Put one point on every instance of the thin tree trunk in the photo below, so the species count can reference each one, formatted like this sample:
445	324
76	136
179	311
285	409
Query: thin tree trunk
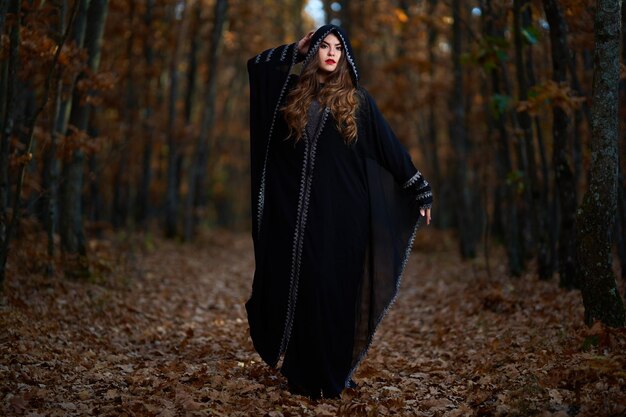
72	234
621	213
537	205
192	67
620	222
121	180
458	137
143	190
564	177
173	157
93	199
197	179
61	121
50	175
328	12
30	127
433	149
7	132
596	217
505	193
4	66
4	8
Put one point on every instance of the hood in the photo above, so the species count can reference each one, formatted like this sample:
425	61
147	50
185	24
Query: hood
317	39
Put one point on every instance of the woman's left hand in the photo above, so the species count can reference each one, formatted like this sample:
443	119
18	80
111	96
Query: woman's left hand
426	213
303	44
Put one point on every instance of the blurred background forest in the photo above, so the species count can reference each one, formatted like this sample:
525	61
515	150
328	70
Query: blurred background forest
133	115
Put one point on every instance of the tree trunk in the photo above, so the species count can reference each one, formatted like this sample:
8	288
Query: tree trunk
564	177
71	221
458	137
507	215
192	67
7	131
29	127
121	181
621	213
533	196
433	149
196	196
173	157
596	217
143	190
50	172
4	8
61	120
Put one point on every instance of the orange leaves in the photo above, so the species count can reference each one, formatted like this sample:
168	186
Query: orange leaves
550	94
401	15
173	340
77	140
37	49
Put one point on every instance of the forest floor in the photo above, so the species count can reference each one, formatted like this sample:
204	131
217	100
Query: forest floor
159	329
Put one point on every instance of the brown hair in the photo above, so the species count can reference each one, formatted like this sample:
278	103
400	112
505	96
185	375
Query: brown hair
339	95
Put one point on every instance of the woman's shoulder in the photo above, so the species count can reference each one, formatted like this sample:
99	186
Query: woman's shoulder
366	101
362	93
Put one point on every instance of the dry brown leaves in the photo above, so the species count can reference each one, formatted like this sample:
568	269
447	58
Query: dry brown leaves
165	334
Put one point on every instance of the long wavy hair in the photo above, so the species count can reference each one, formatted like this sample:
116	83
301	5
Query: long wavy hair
339	95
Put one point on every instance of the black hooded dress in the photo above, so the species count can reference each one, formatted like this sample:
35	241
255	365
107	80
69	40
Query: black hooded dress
333	225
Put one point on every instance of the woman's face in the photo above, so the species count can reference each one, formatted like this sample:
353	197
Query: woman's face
329	54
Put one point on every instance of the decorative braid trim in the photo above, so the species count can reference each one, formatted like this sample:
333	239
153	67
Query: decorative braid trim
258	58
283	54
313	50
295	254
407	252
306	182
424	195
269	55
261	199
412	180
350	59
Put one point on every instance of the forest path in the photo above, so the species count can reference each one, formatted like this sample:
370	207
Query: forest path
169	337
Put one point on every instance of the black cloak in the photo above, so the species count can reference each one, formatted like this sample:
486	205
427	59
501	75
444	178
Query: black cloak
333	226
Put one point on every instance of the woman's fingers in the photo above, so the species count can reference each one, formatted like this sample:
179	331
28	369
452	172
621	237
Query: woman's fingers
425	213
303	44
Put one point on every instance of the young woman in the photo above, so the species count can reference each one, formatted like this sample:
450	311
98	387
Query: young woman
336	202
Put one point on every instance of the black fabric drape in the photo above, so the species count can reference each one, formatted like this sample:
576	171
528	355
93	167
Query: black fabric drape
333	226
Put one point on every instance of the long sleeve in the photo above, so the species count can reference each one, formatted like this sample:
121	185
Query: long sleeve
269	80
394	157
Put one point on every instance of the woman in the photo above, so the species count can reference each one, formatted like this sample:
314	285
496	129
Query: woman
336	203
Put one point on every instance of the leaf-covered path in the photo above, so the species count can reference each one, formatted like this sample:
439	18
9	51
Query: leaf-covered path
164	332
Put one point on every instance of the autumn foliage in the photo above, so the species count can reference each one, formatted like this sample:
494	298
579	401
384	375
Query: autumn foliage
101	315
163	331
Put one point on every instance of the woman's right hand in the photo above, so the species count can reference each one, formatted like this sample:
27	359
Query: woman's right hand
303	44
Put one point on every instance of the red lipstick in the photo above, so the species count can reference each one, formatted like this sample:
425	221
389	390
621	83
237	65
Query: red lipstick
330	61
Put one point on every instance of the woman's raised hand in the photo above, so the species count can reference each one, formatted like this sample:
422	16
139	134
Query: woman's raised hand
426	213
303	44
